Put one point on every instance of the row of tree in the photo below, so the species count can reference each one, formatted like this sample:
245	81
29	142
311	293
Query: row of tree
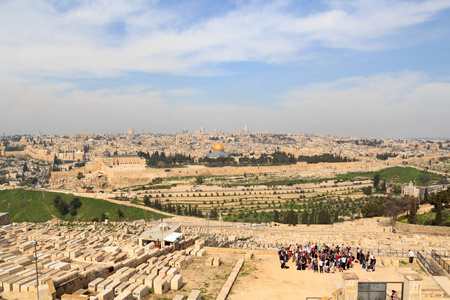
308	217
157	159
182	210
385	156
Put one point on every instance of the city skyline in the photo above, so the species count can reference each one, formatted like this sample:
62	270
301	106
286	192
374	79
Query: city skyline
376	69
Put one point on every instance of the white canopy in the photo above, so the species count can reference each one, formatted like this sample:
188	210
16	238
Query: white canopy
172	237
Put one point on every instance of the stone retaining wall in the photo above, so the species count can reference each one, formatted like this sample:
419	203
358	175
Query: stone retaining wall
441	230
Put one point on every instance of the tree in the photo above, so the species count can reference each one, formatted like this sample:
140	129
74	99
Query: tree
200	179
440	199
56	200
383	186
376	180
392	208
25	167
367	190
426	196
120	213
94	219
80	175
336	216
62	207
312	218
213	214
305	217
397	190
72	211
103	217
75	203
146	200
412	219
370	210
276	216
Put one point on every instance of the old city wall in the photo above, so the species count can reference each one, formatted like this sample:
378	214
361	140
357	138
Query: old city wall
36	155
122	177
66	174
28	151
14	153
440	230
129	176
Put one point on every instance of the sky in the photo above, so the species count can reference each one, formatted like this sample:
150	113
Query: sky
363	68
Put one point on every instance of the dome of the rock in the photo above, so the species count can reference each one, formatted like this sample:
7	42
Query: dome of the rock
218	147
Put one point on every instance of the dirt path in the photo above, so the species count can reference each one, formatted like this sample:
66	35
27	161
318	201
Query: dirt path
262	278
139	206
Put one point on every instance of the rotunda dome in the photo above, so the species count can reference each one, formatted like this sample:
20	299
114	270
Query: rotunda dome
218	147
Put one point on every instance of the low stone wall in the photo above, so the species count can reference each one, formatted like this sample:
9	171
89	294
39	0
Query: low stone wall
239	251
441	230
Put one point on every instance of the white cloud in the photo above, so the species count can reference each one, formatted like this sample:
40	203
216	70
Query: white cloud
182	92
389	105
105	38
36	37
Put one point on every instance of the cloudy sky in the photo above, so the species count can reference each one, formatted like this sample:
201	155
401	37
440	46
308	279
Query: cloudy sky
367	68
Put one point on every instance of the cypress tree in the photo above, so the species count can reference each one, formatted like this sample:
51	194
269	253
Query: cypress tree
438	219
336	216
426	196
412	219
305	217
276	216
312	218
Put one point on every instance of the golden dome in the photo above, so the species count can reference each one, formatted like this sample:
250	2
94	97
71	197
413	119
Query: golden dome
219	147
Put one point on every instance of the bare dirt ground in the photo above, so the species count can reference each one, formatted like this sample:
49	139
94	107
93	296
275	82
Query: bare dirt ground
208	279
262	278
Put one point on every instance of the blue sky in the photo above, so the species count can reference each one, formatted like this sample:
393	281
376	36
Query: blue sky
366	68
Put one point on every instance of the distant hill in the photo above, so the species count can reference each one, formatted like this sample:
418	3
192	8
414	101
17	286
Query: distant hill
37	206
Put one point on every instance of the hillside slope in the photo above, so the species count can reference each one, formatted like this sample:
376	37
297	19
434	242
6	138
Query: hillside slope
37	206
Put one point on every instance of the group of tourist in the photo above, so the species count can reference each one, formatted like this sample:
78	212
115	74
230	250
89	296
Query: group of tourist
325	259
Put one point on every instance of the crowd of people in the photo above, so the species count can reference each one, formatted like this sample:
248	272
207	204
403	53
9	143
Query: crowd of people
325	259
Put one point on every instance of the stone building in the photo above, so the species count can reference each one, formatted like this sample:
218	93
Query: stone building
170	234
4	218
412	190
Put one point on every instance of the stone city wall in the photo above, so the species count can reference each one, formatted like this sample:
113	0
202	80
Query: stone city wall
36	155
440	230
55	175
122	177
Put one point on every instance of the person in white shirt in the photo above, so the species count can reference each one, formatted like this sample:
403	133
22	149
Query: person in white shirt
411	256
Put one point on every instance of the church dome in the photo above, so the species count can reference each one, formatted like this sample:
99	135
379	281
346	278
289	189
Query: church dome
218	147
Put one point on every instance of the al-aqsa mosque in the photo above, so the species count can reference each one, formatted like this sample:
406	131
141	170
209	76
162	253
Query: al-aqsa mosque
218	151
